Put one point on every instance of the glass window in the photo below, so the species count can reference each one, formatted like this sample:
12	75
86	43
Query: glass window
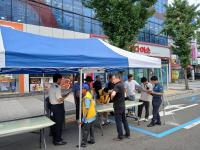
58	16
147	37
5	9
141	36
68	21
18	11
57	3
48	2
101	29
78	23
93	13
152	38
33	10
157	38
87	25
87	12
96	27
78	8
68	5
48	16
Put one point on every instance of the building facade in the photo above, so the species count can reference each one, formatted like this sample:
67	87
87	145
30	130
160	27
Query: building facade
152	42
73	15
62	14
71	19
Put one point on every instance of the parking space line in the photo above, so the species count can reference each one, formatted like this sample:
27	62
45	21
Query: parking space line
164	133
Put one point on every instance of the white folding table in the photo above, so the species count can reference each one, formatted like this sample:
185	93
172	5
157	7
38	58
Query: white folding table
26	125
109	108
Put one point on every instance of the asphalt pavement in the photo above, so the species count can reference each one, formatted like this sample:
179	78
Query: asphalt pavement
181	131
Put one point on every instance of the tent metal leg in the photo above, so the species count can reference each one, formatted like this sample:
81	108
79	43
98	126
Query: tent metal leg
165	99
43	138
163	103
80	109
42	141
44	97
99	125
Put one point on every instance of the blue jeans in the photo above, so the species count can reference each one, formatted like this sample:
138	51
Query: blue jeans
131	98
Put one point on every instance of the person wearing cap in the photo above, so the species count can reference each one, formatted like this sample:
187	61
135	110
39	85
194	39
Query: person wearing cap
89	80
88	116
57	109
157	94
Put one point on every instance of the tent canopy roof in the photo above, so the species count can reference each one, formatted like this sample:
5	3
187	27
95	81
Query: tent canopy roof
25	50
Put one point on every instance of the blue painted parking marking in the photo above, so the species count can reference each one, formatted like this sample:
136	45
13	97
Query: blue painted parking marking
164	133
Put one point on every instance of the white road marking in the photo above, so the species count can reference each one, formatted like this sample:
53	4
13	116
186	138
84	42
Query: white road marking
172	123
167	113
173	106
192	125
184	107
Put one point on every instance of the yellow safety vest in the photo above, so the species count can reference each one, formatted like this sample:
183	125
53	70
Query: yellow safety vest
92	111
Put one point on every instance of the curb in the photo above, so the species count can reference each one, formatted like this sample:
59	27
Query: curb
182	95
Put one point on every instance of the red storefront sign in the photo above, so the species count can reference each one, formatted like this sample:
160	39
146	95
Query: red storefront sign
141	49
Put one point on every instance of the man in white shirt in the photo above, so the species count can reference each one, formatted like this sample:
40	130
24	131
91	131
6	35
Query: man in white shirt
57	108
145	98
130	90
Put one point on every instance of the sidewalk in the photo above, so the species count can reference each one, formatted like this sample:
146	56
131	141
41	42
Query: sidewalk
177	90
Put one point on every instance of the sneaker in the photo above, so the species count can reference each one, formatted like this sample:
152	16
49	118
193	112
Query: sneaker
102	123
151	124
59	143
136	119
108	122
82	145
91	142
158	123
127	136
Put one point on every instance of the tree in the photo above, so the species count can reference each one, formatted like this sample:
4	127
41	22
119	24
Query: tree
122	19
198	40
182	20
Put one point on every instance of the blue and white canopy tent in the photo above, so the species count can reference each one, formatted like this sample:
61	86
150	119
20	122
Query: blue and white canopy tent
22	52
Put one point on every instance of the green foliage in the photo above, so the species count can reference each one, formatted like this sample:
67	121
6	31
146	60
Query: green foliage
122	19
182	20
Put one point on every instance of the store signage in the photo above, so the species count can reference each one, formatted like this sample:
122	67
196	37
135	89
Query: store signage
142	49
151	50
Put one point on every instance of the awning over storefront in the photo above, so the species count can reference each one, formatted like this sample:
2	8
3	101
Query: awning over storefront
24	50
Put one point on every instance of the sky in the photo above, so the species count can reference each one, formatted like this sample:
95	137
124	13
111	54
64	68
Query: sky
190	1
